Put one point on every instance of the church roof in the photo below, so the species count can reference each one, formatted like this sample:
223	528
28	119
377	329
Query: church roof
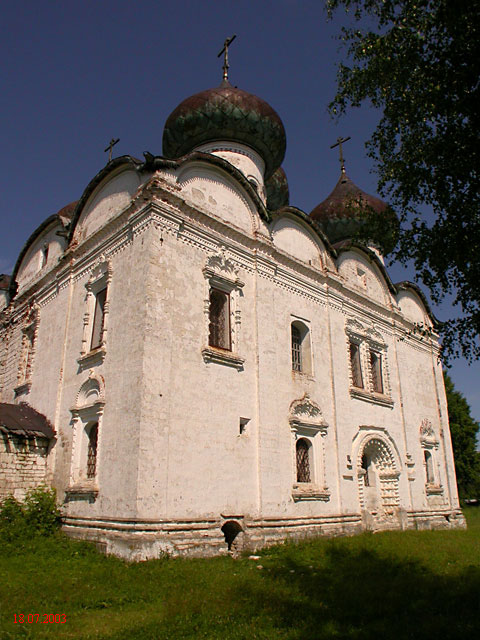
226	113
22	419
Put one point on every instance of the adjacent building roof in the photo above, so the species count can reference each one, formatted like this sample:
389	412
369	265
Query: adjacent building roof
22	419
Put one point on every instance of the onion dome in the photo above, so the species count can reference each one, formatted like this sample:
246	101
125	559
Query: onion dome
349	212
226	113
278	195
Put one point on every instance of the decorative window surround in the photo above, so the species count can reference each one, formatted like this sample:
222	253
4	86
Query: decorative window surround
369	396
306	422
221	356
369	342
99	280
221	274
88	410
94	357
429	444
29	340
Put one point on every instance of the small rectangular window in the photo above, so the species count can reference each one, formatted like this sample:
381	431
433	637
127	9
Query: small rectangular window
219	320
357	379
376	369
98	319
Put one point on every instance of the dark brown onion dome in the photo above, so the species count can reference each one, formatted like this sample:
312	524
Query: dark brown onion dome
278	195
226	113
348	211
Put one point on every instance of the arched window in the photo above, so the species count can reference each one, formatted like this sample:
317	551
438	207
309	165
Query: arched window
303	461
92	451
301	350
429	467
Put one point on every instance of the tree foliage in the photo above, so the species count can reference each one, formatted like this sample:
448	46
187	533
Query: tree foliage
417	61
464	430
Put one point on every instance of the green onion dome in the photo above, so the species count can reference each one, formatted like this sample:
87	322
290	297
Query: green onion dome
278	195
226	113
350	213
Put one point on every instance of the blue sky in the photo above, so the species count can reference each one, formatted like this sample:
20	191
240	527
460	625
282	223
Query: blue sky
77	73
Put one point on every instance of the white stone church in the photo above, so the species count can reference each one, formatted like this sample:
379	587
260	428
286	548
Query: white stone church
198	366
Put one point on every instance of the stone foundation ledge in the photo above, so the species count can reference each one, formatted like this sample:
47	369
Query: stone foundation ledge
437	519
138	540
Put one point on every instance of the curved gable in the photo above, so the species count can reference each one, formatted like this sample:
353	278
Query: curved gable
361	274
208	188
111	196
41	252
413	307
297	240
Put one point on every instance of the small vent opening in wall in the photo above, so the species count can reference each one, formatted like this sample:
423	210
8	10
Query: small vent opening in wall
243	425
233	535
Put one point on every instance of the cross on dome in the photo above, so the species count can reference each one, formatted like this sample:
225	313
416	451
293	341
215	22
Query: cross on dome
224	51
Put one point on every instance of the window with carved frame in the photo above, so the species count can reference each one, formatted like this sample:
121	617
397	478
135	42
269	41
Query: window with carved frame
367	360
27	352
95	319
222	309
87	417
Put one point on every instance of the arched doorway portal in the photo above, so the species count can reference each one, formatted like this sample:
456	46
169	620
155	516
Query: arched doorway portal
378	478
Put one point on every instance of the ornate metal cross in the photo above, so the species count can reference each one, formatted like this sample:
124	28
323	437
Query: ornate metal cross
112	143
339	143
226	44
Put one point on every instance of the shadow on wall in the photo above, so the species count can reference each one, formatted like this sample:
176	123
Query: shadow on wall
362	595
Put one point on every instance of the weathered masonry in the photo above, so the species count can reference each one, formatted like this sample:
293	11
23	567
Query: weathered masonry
218	368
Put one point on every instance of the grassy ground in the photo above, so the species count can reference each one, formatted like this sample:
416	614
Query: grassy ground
414	584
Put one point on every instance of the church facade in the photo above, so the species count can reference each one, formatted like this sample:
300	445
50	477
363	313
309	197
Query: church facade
198	366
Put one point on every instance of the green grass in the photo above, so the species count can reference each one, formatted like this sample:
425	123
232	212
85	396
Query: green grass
414	584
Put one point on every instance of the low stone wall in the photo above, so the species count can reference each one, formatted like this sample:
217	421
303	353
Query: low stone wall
23	464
